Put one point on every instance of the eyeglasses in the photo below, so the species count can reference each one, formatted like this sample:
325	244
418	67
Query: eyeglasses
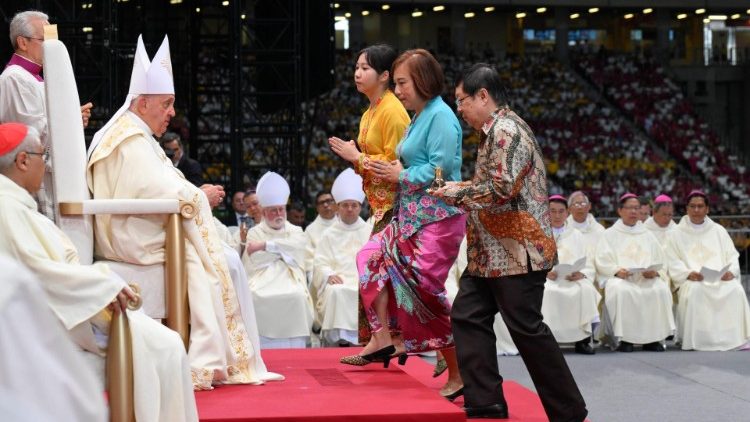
34	38
696	206
579	204
461	100
632	208
44	155
326	202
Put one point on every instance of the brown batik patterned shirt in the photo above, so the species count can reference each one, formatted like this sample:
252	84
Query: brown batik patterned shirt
507	202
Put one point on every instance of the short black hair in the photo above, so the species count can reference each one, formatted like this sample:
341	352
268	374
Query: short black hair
321	193
380	57
169	137
483	75
296	205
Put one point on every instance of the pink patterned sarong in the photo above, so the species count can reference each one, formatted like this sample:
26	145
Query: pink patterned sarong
413	271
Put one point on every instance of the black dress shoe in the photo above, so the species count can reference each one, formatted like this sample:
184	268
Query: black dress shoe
493	411
584	347
653	347
625	347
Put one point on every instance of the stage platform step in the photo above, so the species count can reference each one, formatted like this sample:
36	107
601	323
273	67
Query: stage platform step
318	387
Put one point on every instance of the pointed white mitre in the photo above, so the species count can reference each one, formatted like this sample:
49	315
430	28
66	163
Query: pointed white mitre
272	190
348	187
148	77
152	77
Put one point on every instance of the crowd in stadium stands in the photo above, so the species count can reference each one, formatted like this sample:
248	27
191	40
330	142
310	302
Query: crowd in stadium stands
643	90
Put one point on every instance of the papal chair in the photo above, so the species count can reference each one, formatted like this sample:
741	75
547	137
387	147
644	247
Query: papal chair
163	288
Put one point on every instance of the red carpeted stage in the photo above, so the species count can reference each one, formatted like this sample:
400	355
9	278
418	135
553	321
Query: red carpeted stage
318	387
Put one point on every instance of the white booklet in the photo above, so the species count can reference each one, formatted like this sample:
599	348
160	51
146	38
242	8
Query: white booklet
564	270
710	275
637	270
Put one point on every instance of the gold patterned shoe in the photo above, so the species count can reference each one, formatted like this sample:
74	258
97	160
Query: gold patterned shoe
354	360
440	366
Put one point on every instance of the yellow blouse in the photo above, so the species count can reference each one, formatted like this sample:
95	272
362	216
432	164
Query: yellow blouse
380	130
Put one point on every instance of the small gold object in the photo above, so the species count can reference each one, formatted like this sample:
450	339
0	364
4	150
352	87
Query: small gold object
439	182
135	304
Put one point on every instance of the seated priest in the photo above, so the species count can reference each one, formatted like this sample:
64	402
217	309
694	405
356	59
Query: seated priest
275	263
660	223
126	162
335	276
632	270
570	303
712	310
83	297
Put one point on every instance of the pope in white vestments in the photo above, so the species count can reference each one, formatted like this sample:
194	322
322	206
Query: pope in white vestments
632	270
125	161
571	301
80	295
712	313
335	276
275	263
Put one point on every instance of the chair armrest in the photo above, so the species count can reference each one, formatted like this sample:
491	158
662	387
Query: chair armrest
128	206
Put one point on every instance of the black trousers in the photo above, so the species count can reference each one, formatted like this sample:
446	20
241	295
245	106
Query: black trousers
519	300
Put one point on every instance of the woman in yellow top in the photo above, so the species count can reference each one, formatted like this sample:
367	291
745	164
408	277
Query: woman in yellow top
380	130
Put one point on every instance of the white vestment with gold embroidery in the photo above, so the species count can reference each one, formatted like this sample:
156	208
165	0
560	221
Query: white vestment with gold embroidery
711	314
128	163
637	310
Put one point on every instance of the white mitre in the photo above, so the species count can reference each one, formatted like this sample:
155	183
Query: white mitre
272	190
148	77
348	187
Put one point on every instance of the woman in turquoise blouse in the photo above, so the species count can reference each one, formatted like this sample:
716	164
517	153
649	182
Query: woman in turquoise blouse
404	282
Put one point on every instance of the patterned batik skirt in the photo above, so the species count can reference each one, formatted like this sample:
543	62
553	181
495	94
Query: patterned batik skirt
413	273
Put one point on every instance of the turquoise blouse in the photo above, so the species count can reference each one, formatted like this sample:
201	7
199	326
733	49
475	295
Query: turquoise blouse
433	139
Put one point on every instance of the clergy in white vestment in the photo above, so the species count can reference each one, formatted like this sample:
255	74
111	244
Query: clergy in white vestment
570	302
81	296
712	310
125	161
661	223
22	96
632	270
335	277
41	361
275	263
327	216
580	218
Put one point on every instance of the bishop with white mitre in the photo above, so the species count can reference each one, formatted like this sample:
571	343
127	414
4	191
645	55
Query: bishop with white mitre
125	161
632	270
712	314
80	296
335	275
275	263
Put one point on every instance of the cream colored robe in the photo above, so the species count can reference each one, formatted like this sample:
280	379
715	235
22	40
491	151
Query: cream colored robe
78	296
592	231
313	233
658	231
503	343
637	310
711	315
569	307
38	358
130	164
277	279
336	254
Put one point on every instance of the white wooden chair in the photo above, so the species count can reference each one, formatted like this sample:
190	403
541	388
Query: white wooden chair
162	287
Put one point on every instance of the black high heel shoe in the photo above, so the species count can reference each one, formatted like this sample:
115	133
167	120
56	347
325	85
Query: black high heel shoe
456	394
383	355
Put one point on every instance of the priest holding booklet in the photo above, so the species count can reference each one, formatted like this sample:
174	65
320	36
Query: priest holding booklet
638	303
570	299
712	309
